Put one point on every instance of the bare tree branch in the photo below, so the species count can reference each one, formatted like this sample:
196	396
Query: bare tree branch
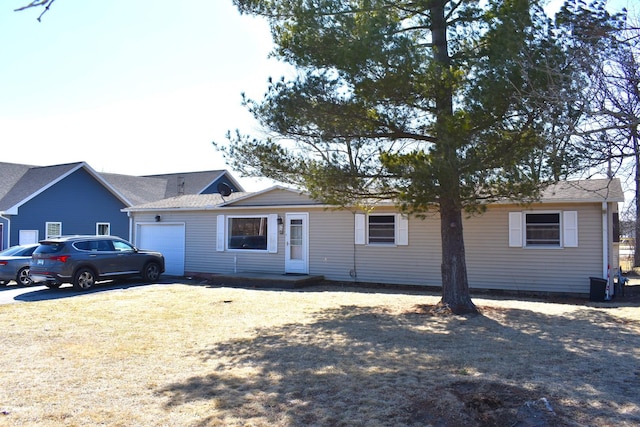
37	3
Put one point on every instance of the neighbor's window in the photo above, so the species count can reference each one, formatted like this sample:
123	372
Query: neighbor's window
53	229
103	229
542	229
382	229
248	233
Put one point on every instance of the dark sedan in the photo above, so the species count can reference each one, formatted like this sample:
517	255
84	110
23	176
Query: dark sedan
14	264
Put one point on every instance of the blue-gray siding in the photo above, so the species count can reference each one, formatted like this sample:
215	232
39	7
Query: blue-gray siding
78	201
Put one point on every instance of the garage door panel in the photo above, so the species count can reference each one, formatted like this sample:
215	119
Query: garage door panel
168	239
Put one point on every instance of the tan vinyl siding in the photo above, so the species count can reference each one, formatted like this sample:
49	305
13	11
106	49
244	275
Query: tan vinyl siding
334	254
491	262
276	197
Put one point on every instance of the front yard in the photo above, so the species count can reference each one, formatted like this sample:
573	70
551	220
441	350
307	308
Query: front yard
195	355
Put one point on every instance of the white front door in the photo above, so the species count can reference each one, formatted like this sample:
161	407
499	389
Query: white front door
296	243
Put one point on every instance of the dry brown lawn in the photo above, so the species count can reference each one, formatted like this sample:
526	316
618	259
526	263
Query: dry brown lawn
195	355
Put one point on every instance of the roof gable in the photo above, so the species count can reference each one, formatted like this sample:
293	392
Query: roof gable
21	183
178	184
38	179
274	196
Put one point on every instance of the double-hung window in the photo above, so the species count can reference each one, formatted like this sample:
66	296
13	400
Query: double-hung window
542	229
545	229
381	229
247	232
103	229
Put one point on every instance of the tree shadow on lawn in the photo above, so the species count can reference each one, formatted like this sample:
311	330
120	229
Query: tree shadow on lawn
365	366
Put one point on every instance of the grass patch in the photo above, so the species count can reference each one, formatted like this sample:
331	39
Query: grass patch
193	355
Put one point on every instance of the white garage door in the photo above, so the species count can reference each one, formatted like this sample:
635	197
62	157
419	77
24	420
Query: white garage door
165	238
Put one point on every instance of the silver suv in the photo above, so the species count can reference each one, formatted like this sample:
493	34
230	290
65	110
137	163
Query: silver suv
83	260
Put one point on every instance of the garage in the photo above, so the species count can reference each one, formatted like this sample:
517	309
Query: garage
167	238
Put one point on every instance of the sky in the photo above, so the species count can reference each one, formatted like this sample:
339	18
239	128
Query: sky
132	87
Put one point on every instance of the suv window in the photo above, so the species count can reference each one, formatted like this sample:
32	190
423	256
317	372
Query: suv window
94	245
49	248
86	246
122	246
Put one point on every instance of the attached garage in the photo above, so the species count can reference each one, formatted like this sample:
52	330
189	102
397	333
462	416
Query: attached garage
167	238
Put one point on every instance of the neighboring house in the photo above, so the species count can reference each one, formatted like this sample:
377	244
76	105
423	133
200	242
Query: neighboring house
38	202
553	246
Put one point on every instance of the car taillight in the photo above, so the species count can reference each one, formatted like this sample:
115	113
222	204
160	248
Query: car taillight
61	258
3	262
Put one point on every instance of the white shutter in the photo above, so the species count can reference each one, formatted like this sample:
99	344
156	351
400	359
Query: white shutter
570	229
402	230
272	230
360	229
515	229
220	234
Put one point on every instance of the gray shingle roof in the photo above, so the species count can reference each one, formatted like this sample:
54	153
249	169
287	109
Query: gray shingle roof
190	202
10	174
137	189
190	182
32	181
19	183
592	190
587	190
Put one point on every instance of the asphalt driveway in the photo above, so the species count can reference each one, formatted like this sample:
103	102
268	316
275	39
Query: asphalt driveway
14	294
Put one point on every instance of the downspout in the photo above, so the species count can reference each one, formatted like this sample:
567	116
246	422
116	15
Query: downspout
130	227
8	233
605	248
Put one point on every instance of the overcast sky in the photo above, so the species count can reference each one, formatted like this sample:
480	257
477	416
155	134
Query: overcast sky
135	87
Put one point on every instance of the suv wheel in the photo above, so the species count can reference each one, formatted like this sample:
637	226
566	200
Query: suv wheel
23	277
151	272
84	279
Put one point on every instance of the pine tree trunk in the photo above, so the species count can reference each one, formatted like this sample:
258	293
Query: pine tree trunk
455	286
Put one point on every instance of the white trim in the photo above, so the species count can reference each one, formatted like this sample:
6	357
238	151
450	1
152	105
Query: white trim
402	230
220	222
570	229
360	229
515	229
272	233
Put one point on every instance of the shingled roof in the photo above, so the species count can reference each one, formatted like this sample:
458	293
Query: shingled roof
586	190
19	183
179	184
28	181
